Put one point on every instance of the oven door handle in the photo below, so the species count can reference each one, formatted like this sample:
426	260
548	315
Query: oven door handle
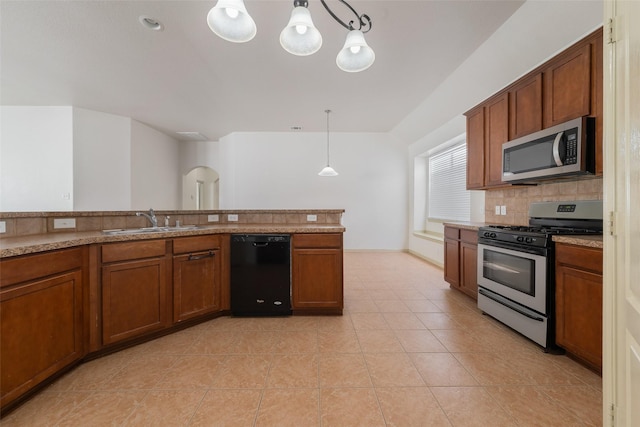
524	313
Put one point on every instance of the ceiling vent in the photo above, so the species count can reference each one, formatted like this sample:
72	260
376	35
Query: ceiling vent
191	136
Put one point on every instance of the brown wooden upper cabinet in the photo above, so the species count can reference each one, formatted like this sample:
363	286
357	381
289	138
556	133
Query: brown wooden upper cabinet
525	107
564	88
475	148
496	115
487	130
567	86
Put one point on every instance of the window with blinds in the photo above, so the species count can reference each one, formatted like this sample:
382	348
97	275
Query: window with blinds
448	195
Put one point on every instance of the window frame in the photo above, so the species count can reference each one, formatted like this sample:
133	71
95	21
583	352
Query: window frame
447	148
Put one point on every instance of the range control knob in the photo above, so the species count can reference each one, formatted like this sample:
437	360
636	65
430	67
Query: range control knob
520	239
528	240
493	235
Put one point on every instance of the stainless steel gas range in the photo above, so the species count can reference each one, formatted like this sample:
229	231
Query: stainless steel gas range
516	278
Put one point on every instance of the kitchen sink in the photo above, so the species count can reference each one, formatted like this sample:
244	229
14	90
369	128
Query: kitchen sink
145	230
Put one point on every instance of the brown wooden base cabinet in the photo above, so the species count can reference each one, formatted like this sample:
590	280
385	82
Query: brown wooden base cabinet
135	292
579	302
461	259
197	276
317	273
41	318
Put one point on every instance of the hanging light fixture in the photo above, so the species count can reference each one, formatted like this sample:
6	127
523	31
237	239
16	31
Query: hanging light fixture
300	37
230	20
356	55
328	170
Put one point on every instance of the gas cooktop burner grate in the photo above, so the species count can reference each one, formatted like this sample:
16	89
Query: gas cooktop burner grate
542	230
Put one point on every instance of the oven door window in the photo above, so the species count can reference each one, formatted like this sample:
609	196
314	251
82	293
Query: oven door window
513	271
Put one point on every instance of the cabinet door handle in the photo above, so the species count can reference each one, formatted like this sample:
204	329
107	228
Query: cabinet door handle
197	257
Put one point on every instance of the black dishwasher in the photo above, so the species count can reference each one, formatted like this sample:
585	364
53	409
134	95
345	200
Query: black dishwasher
260	274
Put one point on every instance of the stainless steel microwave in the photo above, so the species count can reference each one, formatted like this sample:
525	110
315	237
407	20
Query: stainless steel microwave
561	151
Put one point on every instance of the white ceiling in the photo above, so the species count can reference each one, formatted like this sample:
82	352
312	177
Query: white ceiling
96	55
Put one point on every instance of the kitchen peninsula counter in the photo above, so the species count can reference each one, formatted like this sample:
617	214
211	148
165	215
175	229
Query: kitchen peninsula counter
108	292
33	232
23	245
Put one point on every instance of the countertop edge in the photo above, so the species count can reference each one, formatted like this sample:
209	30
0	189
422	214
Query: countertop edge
24	245
587	241
465	225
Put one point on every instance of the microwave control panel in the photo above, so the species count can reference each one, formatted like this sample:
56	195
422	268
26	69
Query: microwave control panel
571	152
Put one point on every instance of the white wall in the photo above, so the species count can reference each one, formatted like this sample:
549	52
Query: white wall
280	171
36	159
155	169
101	161
537	31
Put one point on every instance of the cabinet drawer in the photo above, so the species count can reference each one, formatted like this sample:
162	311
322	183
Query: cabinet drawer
469	236
185	245
133	250
30	267
317	240
451	233
589	259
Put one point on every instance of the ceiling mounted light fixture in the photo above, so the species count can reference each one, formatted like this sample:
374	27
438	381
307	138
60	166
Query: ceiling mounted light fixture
230	20
328	170
300	37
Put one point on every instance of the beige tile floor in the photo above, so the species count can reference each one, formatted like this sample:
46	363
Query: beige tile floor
407	352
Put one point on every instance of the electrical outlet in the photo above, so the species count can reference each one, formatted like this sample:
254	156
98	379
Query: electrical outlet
312	218
213	218
503	210
3	226
497	210
64	223
232	217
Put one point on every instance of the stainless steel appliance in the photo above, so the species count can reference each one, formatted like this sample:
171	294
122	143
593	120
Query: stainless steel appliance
564	150
516	282
260	274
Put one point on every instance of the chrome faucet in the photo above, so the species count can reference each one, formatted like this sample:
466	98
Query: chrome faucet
151	216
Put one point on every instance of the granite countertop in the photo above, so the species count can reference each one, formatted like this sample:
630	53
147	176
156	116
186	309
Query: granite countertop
588	241
14	246
466	225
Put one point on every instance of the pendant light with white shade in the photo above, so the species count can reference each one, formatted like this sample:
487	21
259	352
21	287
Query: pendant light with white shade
230	20
328	170
300	37
356	55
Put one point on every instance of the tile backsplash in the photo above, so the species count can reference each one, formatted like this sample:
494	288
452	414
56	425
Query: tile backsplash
518	198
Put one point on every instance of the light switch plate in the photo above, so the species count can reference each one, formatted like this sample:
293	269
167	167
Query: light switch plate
497	210
232	217
64	223
312	218
213	218
3	226
503	210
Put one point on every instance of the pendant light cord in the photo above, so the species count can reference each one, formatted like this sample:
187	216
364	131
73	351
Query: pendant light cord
327	111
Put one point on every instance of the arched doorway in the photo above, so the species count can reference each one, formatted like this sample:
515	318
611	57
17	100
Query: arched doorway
200	189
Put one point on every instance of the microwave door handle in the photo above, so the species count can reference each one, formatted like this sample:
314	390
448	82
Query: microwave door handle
556	149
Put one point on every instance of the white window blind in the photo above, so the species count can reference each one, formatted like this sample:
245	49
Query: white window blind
448	195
